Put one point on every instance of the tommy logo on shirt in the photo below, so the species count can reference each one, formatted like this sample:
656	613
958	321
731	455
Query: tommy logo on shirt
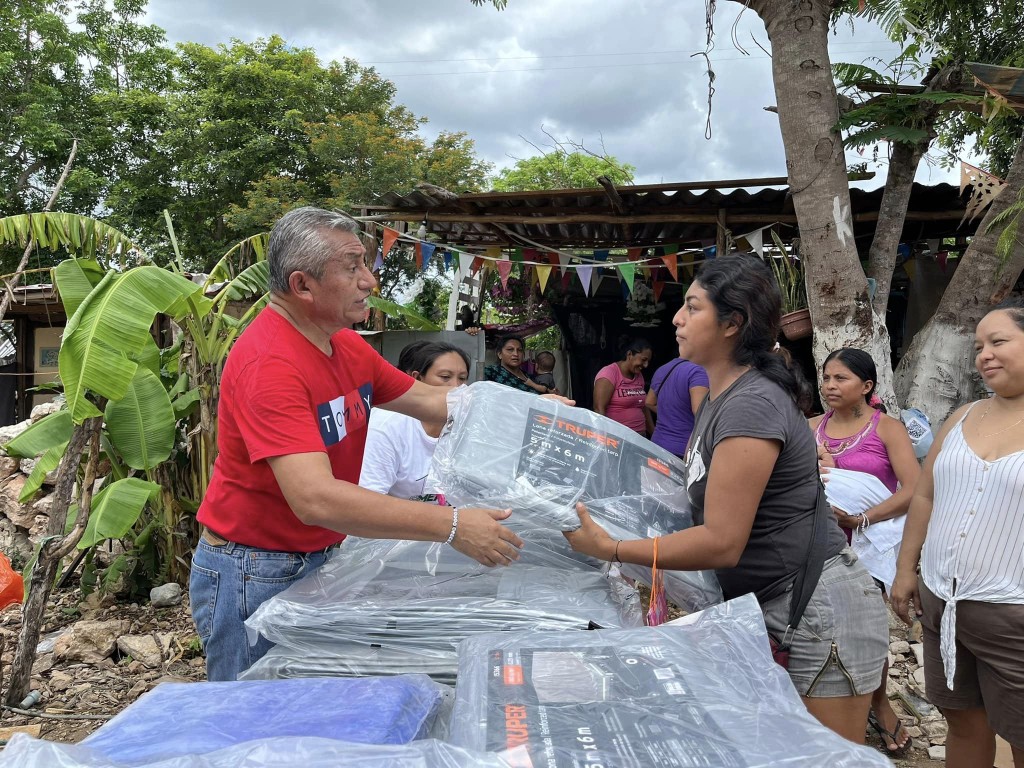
344	415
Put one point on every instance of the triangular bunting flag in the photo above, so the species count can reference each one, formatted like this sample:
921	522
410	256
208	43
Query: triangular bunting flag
566	279
670	249
941	257
447	260
477	265
530	254
416	251
625	290
755	240
671	261
563	261
494	252
543	273
633	253
427	252
504	270
601	255
390	235
466	261
378	262
710	253
910	267
686	260
585	272
517	254
658	286
628	272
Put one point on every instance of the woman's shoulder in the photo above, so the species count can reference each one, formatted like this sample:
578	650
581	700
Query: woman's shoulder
610	371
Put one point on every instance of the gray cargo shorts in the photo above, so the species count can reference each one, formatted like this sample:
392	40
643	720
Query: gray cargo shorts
842	640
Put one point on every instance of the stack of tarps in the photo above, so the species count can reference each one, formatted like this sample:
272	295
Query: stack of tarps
282	752
383	607
707	693
507	449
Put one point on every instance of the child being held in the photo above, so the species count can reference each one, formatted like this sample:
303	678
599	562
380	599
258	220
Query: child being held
545	362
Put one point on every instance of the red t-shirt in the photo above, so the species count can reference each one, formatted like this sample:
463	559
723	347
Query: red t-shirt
281	395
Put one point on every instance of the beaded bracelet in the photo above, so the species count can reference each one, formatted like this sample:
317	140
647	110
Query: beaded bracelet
455	525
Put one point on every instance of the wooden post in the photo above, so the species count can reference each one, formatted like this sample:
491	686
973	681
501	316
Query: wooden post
722	238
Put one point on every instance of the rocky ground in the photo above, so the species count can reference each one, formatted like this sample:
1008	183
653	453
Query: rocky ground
100	655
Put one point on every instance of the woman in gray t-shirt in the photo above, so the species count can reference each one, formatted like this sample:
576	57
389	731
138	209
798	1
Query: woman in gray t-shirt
752	480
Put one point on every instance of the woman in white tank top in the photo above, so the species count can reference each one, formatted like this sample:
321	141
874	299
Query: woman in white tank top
966	528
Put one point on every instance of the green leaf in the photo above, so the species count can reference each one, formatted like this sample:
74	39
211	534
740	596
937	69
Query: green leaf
149	357
76	234
115	510
50	431
185	403
141	424
111	323
76	278
46	464
252	281
416	321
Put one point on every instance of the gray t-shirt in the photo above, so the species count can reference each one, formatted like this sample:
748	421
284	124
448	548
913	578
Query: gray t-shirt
755	406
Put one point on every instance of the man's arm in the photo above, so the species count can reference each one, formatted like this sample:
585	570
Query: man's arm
318	498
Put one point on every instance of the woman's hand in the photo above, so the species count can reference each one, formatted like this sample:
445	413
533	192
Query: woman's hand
590	538
560	399
904	592
845	520
825	459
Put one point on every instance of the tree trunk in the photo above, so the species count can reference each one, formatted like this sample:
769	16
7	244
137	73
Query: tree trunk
892	213
837	289
937	374
54	547
899	183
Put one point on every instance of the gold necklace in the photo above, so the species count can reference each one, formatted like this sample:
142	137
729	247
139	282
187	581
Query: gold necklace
1004	429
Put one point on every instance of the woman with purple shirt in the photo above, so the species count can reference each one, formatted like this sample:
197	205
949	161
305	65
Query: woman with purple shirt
854	435
677	389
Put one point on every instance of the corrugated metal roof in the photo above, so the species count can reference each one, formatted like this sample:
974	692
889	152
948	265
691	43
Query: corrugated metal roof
645	215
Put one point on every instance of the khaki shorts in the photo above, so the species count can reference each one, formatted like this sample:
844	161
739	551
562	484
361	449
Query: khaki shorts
842	640
989	662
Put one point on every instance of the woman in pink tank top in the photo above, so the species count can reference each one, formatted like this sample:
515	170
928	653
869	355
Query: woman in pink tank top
620	392
854	435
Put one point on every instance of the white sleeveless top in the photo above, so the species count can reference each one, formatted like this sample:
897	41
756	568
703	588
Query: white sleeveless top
974	549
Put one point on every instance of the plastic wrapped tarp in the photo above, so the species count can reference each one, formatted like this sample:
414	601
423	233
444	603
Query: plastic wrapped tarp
707	693
380	606
283	752
503	448
175	719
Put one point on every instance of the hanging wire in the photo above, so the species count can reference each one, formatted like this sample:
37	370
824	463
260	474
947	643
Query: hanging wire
709	45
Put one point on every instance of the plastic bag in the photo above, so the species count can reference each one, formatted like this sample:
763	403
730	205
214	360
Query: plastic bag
283	752
919	429
699	694
503	448
12	586
176	719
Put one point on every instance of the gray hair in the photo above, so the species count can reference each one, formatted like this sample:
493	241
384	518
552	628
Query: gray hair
297	244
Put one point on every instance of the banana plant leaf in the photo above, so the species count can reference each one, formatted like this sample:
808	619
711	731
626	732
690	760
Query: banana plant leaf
75	279
251	281
115	510
49	431
416	321
111	323
141	424
149	357
252	248
46	464
82	235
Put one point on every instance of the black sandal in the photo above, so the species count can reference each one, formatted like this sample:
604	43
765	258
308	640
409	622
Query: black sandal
890	736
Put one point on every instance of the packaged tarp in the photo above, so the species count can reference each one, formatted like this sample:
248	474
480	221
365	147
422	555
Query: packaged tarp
176	719
502	448
283	752
705	694
403	602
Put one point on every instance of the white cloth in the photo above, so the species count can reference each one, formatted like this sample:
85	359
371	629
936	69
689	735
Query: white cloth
975	540
397	455
879	546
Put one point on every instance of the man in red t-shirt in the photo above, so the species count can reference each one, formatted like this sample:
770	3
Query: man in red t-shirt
295	397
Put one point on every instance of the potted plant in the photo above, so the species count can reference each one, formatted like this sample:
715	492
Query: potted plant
789	274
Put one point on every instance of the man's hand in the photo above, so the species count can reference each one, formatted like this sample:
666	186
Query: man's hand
904	592
590	538
481	537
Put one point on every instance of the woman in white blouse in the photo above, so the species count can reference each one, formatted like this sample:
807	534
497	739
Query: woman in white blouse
966	526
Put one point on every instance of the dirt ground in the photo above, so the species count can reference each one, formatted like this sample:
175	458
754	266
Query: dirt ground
108	687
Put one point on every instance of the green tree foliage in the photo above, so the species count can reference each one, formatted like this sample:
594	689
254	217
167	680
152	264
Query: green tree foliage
562	170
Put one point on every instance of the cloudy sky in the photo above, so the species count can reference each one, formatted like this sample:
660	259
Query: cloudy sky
611	73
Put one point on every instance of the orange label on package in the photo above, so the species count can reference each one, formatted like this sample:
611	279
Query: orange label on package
513	675
659	466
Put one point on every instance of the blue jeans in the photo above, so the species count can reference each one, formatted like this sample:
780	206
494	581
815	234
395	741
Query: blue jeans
227	584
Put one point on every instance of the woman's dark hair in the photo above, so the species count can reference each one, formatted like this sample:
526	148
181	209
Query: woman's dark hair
503	340
636	345
1014	308
427	355
743	291
407	357
860	364
805	392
